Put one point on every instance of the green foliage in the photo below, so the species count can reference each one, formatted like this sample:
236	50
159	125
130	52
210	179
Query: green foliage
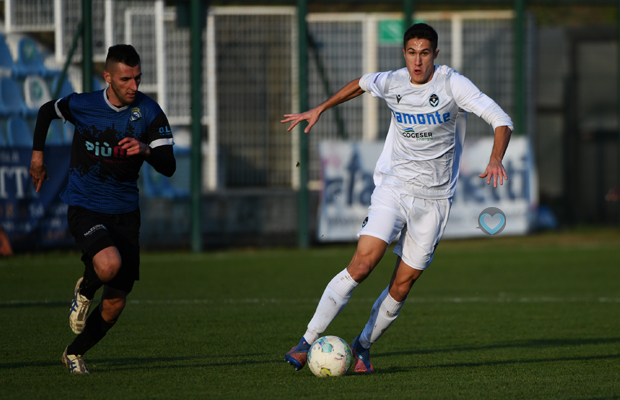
512	318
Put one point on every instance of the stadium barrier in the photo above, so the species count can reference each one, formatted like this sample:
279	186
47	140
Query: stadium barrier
250	81
347	179
34	220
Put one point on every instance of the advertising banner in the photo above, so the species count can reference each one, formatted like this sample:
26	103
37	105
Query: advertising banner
477	210
511	207
347	169
34	219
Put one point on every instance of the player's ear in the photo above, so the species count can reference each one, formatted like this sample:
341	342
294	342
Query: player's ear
436	54
107	77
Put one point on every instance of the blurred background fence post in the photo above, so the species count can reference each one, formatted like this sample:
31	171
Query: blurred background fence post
87	46
519	60
303	207
408	10
196	25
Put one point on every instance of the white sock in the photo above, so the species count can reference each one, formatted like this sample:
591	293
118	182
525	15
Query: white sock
335	297
383	313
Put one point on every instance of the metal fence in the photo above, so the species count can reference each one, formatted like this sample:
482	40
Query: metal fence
341	48
254	63
29	15
250	72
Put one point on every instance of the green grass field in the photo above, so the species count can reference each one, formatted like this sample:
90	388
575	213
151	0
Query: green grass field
534	317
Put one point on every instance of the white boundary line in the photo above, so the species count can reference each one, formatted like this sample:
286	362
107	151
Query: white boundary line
535	300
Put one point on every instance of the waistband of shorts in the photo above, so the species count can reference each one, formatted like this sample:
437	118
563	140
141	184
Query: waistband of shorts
412	189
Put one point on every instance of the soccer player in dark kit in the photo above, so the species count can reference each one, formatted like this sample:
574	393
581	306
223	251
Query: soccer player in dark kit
116	130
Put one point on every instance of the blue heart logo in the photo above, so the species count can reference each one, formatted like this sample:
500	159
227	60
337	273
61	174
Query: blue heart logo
492	213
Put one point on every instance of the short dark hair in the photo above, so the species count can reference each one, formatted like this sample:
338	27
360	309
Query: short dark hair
123	53
421	31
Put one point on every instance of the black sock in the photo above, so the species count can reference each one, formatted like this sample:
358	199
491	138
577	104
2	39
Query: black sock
91	282
95	330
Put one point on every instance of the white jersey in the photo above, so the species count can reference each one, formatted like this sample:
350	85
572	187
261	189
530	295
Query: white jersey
425	140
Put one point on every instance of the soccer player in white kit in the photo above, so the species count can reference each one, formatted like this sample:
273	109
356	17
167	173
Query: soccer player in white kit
415	179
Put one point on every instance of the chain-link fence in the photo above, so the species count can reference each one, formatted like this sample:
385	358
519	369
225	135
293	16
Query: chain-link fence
250	72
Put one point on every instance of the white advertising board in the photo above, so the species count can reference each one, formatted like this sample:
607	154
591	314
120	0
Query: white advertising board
347	169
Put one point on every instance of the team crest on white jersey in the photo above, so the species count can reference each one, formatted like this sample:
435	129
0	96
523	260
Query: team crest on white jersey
434	100
135	114
398	97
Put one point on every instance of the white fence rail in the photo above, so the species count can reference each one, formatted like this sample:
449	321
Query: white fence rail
250	72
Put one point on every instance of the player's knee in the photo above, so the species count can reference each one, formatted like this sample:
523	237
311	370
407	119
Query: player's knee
107	269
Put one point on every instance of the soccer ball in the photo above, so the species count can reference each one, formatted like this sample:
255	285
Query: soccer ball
330	356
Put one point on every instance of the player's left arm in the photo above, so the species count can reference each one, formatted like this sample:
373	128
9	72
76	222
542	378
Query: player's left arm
158	152
162	159
471	99
495	170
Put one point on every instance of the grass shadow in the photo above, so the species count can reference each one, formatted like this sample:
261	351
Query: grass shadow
393	370
542	343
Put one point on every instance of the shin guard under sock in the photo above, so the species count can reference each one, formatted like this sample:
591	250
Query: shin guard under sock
336	295
383	313
96	328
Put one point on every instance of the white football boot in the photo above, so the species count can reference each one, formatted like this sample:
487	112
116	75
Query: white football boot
79	310
74	363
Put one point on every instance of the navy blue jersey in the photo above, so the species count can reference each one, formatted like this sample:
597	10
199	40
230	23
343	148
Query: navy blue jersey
102	177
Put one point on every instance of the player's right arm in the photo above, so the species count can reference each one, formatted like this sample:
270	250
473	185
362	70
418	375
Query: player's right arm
350	91
49	111
38	170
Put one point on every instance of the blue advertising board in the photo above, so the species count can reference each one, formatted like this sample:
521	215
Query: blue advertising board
34	219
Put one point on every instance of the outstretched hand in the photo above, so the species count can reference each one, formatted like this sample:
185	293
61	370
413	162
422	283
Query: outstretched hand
348	92
494	171
38	170
311	116
133	147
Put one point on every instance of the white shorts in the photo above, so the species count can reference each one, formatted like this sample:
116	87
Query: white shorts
420	222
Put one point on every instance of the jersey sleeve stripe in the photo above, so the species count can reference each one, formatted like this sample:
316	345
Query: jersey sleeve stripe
58	112
161	142
386	87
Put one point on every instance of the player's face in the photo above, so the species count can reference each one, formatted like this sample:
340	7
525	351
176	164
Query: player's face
420	60
123	82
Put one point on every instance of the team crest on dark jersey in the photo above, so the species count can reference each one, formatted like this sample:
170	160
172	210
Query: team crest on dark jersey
434	100
135	114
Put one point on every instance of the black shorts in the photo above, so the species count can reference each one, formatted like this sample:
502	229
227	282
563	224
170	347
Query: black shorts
95	231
